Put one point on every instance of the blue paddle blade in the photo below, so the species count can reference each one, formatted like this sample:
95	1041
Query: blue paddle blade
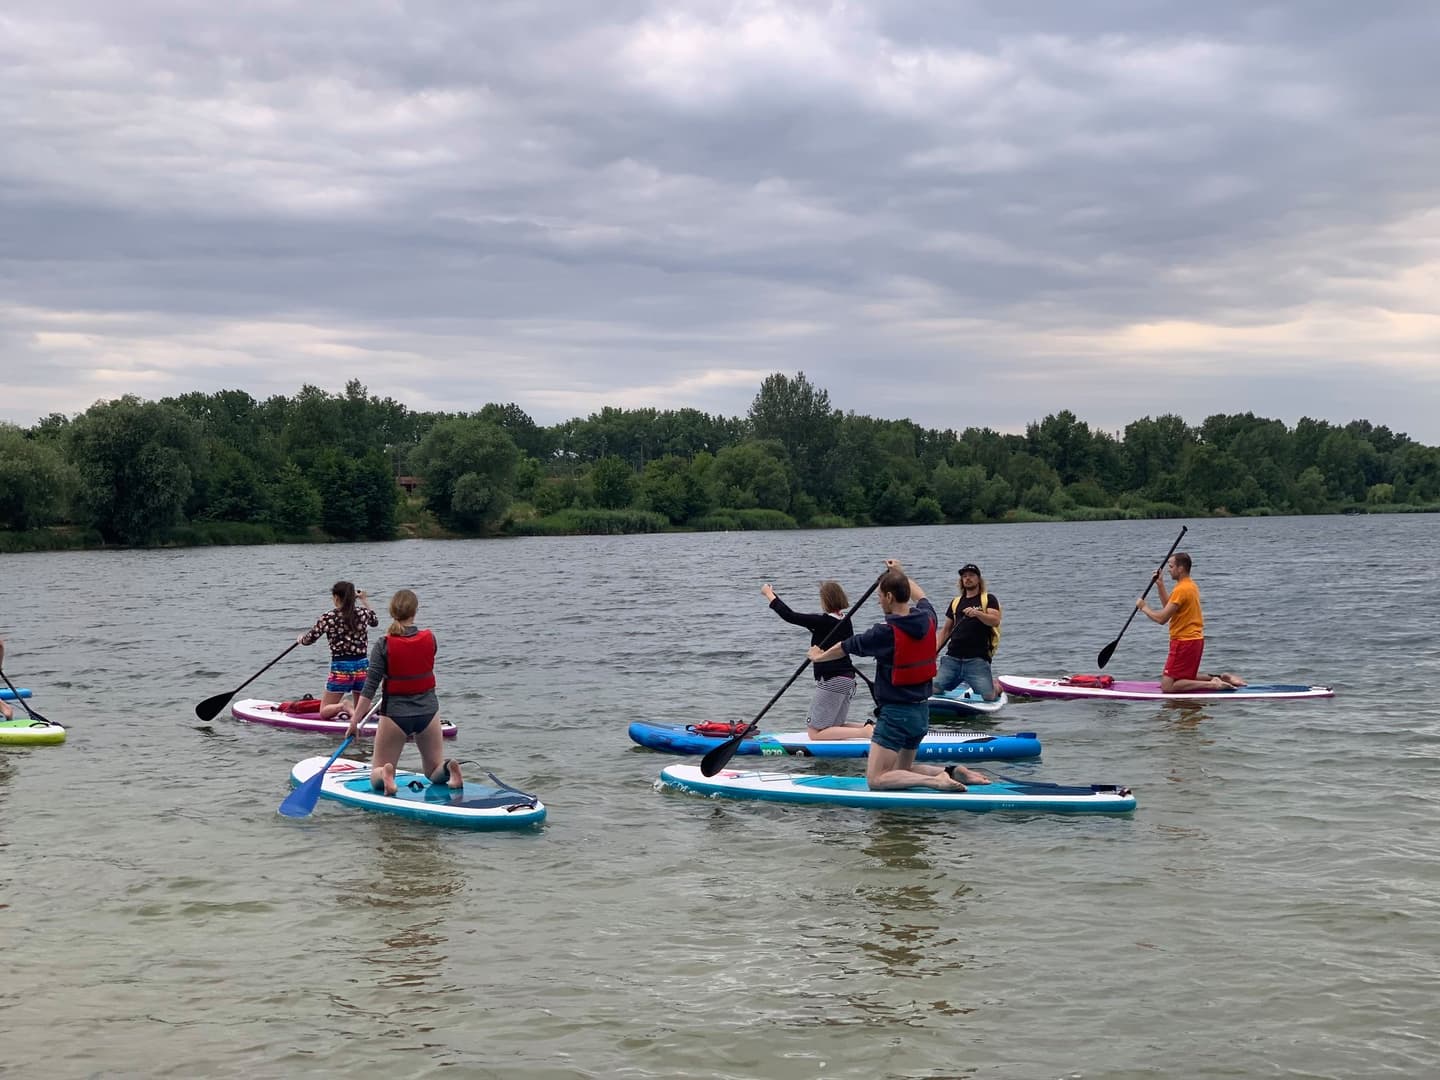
301	802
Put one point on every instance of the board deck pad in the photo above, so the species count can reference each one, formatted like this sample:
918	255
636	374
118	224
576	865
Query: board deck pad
969	705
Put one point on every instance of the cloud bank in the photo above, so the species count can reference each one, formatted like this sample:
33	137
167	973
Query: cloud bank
963	213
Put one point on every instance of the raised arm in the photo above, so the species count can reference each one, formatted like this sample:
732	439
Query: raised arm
797	618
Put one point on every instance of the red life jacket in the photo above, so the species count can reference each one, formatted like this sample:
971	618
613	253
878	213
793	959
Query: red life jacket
721	728
914	657
299	705
410	663
1102	682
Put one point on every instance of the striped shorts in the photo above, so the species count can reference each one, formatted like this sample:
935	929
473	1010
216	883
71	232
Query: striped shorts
831	703
348	676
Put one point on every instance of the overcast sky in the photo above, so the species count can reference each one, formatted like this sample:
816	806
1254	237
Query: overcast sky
958	212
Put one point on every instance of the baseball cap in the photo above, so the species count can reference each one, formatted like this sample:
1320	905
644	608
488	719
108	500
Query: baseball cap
970	568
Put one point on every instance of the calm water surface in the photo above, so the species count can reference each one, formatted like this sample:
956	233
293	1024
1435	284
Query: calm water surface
1272	908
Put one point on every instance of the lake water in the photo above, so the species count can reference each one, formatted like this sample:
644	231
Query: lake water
1272	907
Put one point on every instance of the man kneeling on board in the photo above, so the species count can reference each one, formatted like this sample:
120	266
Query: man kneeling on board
904	650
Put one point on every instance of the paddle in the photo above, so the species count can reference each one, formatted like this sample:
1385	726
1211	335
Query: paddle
1109	650
35	716
718	758
301	802
208	709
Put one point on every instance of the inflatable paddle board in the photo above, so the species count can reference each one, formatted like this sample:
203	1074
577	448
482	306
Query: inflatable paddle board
825	790
1150	691
6	694
968	704
937	746
22	731
257	711
476	806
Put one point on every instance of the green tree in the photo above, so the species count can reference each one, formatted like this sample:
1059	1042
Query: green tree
535	441
1154	448
927	512
958	489
136	462
996	497
230	487
799	417
1310	496
454	449
669	486
1417	474
1339	460
1380	494
613	483
895	505
1063	443
358	495
295	505
36	482
750	475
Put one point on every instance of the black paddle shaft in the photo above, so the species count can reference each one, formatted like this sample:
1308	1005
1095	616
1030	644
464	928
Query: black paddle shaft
210	708
1109	650
718	758
34	716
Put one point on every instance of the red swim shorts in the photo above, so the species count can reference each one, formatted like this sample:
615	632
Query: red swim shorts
1184	659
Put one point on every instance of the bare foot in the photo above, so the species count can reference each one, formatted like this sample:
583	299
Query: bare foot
387	776
970	776
1232	679
456	780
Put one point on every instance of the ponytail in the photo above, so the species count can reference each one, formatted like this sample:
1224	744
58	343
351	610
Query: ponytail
344	591
403	606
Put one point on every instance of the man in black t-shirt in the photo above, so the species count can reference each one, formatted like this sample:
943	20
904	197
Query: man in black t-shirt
967	640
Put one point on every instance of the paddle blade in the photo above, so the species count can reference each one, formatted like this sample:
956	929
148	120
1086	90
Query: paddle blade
718	758
301	802
210	708
1107	652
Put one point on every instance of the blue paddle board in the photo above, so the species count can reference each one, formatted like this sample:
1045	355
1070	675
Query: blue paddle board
937	746
476	806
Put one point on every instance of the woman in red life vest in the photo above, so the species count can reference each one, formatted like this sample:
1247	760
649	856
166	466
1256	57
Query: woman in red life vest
345	628
404	660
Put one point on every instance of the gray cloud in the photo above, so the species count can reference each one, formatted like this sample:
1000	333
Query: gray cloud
959	212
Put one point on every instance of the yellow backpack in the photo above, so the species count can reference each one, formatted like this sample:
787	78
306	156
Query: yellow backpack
994	630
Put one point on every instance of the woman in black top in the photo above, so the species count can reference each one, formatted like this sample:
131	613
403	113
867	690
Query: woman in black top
834	679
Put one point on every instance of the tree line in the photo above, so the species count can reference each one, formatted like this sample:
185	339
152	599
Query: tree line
224	467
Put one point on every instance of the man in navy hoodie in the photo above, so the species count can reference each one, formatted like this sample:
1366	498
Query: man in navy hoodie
904	650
